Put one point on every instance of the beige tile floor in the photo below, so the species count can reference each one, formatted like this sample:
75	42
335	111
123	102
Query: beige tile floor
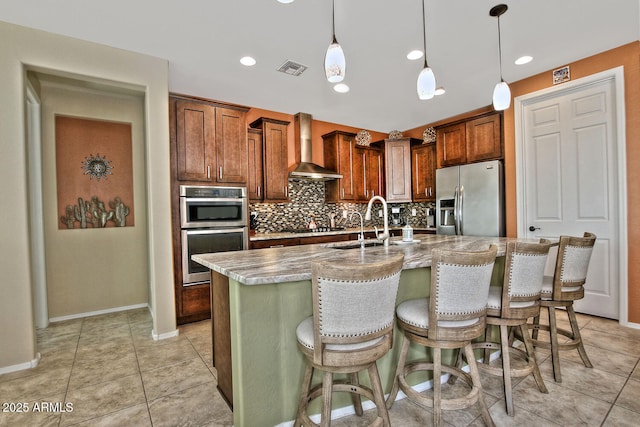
114	374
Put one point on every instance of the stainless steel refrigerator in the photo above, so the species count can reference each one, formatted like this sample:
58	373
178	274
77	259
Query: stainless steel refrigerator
470	199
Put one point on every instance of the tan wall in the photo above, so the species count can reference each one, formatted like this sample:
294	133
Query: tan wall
629	57
93	269
44	51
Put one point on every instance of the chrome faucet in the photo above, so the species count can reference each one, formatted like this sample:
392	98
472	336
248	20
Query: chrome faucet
385	235
361	234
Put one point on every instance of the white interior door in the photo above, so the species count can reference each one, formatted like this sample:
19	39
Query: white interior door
569	180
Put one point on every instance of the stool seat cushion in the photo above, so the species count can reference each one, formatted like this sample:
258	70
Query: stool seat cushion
495	300
304	333
416	313
547	288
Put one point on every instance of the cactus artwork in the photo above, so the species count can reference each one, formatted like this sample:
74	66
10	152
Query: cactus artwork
121	212
95	213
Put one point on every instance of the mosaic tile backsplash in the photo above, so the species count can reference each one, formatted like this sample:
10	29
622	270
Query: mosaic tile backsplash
307	202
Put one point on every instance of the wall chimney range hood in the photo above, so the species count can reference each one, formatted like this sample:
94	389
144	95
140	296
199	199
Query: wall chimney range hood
305	168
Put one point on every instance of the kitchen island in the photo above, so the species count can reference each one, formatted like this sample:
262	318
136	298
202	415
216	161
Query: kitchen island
260	296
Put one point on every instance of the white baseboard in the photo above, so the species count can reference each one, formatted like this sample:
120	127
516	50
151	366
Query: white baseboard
631	325
21	366
157	337
98	312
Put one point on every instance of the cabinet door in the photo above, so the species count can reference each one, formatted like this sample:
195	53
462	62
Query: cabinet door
374	173
255	188
423	172
360	173
483	139
346	163
451	145
276	173
231	146
397	155
195	141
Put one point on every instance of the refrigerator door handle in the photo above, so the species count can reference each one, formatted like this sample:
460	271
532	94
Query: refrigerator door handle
456	220
460	203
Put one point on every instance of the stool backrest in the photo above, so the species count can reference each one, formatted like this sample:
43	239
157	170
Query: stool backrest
353	303
460	283
572	265
523	275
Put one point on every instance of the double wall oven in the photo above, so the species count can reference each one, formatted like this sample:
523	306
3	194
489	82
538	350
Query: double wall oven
212	219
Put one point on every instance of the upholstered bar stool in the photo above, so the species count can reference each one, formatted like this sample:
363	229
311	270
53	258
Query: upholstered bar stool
561	290
351	328
450	318
510	306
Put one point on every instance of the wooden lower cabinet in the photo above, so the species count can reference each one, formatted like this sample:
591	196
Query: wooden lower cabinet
221	334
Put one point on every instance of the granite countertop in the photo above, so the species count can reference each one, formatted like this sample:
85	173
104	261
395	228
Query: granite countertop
293	263
352	230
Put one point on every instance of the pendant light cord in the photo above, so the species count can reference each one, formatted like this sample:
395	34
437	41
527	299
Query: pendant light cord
333	21
424	35
500	49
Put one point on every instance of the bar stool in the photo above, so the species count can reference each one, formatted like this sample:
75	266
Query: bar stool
510	307
450	318
351	328
561	290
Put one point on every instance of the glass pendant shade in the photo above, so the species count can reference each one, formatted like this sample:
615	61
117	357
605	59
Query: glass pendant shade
501	96
426	84
334	62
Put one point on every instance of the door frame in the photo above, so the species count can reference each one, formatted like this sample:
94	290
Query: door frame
520	102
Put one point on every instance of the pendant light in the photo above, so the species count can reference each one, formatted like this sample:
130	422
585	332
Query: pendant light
426	79
501	93
334	60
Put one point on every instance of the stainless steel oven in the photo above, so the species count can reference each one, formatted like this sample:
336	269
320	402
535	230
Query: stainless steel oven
213	219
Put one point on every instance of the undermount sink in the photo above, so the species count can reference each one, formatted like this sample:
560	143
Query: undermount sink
354	244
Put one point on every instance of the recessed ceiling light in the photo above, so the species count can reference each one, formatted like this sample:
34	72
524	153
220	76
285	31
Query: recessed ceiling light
341	88
439	91
414	54
285	1
248	61
524	60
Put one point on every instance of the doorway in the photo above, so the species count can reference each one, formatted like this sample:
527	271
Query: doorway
570	171
82	272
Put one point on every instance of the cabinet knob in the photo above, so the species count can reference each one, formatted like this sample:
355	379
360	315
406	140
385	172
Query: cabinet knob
220	172
208	171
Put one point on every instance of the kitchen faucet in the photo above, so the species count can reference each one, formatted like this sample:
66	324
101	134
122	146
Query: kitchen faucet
385	235
361	234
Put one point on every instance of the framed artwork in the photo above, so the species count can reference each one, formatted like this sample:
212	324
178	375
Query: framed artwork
561	75
94	173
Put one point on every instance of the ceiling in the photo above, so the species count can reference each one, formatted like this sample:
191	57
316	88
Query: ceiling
203	41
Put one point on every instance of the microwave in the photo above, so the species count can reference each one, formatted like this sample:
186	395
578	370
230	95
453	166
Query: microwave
209	207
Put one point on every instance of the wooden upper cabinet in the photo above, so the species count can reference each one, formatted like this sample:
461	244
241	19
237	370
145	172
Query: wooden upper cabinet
451	145
397	155
484	138
255	184
275	151
339	155
195	140
371	179
210	142
231	146
423	165
474	140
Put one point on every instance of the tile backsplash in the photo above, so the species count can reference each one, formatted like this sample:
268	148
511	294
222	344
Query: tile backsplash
307	202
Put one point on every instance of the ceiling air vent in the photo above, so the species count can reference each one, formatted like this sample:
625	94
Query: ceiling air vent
293	68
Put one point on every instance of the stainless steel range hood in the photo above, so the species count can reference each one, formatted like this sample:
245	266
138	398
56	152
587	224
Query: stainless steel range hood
306	169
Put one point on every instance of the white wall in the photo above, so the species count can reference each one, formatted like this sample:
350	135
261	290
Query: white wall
23	47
